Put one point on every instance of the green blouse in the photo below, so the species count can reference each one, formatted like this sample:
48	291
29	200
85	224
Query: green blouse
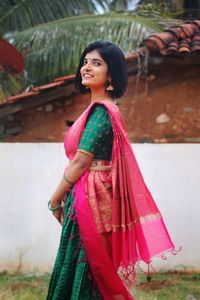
97	136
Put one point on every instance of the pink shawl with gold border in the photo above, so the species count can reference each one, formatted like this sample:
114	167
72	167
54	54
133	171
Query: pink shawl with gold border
138	230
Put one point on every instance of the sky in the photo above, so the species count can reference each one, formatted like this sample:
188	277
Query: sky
131	5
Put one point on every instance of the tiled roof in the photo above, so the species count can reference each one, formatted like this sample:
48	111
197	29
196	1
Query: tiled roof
37	90
177	40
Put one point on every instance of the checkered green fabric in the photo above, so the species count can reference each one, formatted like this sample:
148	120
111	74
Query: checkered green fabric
71	278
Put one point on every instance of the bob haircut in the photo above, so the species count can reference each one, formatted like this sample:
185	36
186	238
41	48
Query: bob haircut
115	60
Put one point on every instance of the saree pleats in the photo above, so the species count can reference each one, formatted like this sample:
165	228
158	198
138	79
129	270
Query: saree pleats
103	270
71	278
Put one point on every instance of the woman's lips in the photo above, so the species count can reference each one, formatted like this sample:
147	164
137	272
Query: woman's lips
86	75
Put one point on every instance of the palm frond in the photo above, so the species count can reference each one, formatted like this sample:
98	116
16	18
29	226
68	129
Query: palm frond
55	48
10	85
2	95
22	14
5	6
157	11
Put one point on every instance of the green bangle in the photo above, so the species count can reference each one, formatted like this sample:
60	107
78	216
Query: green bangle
55	208
67	180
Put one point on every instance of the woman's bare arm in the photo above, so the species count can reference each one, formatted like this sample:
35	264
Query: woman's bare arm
77	167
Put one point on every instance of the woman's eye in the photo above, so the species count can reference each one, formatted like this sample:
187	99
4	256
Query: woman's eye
96	63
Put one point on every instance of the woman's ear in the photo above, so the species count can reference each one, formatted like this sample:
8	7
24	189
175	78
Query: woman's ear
109	86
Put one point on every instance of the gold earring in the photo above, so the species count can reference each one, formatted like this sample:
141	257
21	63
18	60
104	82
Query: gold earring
109	87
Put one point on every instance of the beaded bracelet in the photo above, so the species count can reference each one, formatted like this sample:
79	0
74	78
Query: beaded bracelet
55	208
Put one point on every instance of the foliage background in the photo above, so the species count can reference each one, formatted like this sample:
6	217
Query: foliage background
55	32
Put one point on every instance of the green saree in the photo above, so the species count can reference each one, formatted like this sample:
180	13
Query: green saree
71	278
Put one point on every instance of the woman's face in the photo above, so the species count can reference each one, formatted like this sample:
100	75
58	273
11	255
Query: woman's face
94	72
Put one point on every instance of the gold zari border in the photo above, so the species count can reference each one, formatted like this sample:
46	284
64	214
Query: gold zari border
149	217
86	152
141	220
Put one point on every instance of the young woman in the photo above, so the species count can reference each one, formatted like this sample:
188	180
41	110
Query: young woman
110	220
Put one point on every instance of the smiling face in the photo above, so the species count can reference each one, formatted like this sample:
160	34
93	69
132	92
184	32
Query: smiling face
94	72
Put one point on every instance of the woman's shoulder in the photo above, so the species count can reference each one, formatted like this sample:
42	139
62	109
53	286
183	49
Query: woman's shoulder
99	108
99	115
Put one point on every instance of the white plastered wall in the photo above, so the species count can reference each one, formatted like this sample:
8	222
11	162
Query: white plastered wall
29	173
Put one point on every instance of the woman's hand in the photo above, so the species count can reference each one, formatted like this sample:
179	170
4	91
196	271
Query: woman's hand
59	214
77	167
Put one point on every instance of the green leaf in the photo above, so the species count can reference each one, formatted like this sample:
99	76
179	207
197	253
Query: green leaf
55	47
23	14
10	85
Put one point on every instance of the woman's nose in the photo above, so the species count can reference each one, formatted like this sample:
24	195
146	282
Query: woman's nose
87	66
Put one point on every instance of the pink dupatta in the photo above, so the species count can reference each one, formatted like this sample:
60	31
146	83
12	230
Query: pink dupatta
138	230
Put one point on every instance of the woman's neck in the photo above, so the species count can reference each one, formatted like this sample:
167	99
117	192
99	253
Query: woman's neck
100	96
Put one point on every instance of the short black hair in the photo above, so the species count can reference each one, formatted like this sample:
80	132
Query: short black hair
116	63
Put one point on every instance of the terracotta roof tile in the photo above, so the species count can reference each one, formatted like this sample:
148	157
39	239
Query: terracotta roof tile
37	90
47	86
178	40
21	96
67	78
